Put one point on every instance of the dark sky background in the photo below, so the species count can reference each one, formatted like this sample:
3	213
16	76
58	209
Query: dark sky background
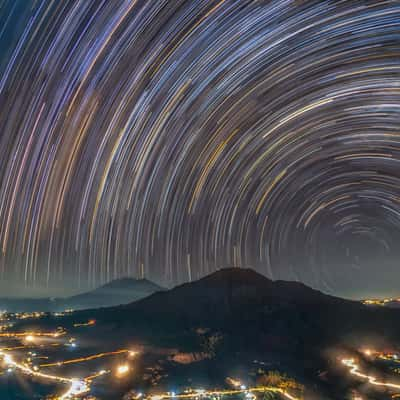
166	139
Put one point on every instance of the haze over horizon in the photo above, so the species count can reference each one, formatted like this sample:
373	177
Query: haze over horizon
12	290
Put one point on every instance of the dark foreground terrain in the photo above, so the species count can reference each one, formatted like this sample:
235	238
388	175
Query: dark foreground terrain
235	323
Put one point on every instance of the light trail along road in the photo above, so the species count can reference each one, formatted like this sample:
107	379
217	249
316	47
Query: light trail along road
77	387
354	369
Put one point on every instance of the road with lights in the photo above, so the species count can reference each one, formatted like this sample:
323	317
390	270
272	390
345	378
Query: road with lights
354	369
83	359
77	387
249	392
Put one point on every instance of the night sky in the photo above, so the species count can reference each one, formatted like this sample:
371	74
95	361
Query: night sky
167	139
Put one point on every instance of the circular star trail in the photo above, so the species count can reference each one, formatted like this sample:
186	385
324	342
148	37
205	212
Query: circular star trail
167	139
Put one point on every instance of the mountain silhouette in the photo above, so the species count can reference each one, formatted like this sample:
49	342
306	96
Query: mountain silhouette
119	291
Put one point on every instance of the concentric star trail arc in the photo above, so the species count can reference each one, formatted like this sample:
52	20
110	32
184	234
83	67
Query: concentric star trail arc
166	139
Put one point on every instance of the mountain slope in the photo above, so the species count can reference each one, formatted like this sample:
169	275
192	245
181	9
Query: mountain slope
243	304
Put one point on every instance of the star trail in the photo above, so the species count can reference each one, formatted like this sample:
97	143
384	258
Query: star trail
166	139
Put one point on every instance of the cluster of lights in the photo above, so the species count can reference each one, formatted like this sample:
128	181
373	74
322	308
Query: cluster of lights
380	302
382	355
76	386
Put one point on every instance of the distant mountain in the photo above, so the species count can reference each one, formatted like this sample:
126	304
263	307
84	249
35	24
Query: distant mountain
120	291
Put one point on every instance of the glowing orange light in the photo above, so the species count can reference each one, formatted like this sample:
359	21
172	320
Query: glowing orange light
122	370
368	352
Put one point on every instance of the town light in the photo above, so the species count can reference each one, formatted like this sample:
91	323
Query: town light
122	370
